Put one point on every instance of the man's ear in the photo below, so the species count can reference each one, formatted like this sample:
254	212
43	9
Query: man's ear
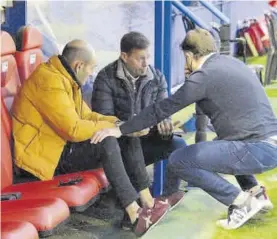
123	56
191	55
77	65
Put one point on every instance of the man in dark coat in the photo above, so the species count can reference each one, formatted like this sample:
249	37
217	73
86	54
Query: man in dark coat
125	87
128	85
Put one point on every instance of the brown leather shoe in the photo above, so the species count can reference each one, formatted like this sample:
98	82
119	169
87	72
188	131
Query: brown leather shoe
174	199
162	205
148	218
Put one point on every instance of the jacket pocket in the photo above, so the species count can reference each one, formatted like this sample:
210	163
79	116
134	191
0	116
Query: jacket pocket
26	136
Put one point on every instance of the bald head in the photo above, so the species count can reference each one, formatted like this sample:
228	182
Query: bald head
81	57
78	50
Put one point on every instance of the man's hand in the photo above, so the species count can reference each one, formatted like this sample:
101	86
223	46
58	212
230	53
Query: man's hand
100	135
139	133
165	127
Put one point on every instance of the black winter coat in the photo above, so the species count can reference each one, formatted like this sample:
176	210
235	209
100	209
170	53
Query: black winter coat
114	94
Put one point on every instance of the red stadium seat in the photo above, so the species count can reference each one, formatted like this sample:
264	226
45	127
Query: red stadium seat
82	189
10	82
28	55
18	230
45	214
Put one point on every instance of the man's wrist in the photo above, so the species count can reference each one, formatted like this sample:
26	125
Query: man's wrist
118	123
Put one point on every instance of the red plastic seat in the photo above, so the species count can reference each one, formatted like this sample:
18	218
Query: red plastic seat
10	82
78	197
18	230
28	55
44	213
6	120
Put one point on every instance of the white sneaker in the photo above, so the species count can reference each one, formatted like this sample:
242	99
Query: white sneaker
240	214
262	196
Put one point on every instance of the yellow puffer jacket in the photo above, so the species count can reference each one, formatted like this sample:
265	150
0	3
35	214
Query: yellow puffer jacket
48	112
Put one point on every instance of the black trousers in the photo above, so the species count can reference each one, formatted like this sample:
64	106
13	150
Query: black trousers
123	160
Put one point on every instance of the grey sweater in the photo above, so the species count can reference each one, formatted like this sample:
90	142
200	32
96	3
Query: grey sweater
228	92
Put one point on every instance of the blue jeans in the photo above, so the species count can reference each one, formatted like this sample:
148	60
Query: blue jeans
199	165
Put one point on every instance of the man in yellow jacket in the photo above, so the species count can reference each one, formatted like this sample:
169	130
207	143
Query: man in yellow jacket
52	128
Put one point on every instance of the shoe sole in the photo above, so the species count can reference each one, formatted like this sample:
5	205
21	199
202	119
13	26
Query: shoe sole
176	204
258	208
258	216
153	225
266	209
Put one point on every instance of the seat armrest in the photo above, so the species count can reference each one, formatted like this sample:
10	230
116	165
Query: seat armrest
70	182
10	196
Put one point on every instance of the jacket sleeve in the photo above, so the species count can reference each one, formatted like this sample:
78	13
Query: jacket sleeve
193	90
102	96
90	115
54	105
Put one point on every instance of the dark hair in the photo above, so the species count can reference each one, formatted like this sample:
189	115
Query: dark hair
200	42
133	40
71	53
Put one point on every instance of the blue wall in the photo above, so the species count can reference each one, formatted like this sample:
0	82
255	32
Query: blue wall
15	17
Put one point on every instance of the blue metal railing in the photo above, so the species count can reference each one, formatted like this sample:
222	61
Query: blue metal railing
186	11
159	167
215	11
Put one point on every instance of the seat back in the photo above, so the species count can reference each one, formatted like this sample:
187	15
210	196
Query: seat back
6	125
29	54
6	158
10	82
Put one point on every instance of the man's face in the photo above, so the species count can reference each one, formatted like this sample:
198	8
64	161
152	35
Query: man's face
85	70
136	61
189	63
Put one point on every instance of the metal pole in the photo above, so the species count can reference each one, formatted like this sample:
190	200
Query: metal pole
159	25
159	64
215	11
167	43
181	7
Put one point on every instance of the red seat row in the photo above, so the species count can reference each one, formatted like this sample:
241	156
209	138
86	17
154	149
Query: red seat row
18	230
44	204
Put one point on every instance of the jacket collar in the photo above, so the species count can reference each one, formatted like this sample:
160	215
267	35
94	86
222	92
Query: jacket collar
120	73
60	64
204	59
209	58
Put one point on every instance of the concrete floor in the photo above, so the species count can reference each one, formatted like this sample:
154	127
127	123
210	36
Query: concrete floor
194	218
